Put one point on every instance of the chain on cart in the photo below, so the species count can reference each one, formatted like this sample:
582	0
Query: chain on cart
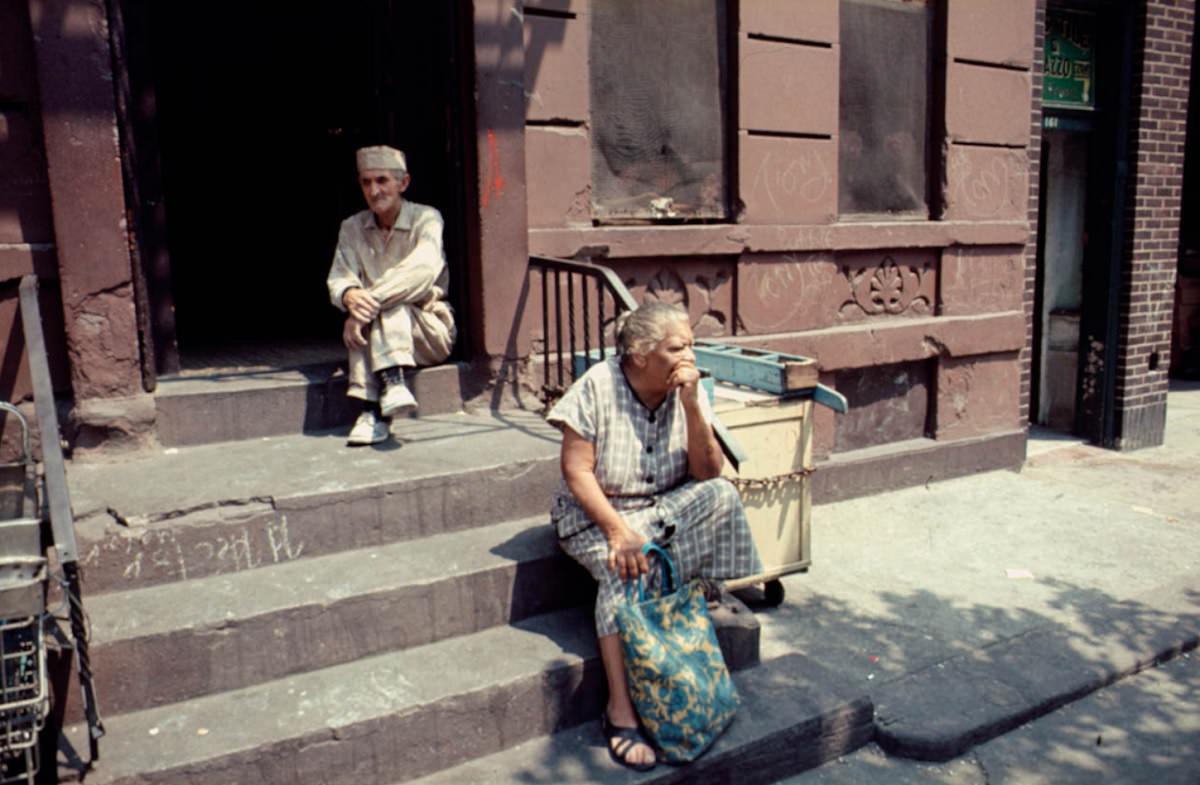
770	483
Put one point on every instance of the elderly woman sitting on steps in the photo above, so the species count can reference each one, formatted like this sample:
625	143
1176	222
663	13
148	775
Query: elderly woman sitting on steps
640	462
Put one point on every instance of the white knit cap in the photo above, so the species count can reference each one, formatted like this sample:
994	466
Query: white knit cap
381	157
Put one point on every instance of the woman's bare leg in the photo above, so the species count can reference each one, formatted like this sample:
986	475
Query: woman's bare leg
620	708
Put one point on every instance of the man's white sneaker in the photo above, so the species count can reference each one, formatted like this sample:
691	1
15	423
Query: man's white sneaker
396	397
368	429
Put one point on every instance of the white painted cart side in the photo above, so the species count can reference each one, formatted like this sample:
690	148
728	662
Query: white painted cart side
773	479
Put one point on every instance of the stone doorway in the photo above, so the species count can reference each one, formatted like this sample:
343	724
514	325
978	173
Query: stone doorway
245	118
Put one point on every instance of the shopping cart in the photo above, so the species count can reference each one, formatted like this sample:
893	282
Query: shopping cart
24	697
35	517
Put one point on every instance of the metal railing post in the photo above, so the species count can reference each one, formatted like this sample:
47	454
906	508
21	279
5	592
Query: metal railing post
607	283
571	318
545	327
558	324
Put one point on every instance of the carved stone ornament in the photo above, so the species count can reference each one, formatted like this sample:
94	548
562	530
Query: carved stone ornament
697	296
889	288
667	287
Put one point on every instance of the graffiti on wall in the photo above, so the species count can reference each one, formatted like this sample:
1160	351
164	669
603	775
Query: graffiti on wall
989	184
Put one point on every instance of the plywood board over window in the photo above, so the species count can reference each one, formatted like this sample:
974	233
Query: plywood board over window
657	110
884	107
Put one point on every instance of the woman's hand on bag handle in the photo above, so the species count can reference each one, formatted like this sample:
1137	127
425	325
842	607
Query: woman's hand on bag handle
625	555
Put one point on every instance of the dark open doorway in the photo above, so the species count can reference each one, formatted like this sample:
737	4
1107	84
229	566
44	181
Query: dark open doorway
1081	226
258	109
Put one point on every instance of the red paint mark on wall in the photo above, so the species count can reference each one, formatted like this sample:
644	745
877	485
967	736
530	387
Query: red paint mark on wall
495	180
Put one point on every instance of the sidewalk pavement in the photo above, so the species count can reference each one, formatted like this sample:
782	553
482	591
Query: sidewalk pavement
965	608
1143	730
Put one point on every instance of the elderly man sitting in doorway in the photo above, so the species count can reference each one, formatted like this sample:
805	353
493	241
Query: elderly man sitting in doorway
389	275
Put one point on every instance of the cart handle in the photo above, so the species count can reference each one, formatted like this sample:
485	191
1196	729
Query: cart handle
26	449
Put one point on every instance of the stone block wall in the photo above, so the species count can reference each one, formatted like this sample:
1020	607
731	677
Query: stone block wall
787	113
26	221
558	150
923	320
989	64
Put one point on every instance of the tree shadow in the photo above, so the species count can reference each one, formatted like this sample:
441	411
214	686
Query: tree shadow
987	667
1146	731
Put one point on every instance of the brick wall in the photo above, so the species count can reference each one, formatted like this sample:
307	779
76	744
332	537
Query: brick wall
1035	166
1161	81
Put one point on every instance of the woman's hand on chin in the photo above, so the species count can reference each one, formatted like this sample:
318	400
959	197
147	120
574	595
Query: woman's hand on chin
625	555
687	378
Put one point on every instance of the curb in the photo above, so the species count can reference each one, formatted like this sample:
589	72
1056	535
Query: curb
941	712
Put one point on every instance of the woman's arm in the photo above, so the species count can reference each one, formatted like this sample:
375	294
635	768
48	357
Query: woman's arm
705	459
578	460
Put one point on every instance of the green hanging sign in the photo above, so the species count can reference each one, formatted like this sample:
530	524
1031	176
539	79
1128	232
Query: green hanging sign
1069	80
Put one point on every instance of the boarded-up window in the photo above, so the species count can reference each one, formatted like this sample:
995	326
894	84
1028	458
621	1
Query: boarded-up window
657	116
885	82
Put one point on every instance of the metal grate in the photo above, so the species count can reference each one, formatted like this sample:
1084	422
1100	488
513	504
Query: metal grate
19	766
23	697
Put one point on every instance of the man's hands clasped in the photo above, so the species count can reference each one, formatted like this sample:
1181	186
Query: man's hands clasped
364	309
352	333
361	304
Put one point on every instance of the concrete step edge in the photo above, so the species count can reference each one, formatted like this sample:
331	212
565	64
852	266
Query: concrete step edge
246	405
196	383
229	631
789	721
200	511
428	707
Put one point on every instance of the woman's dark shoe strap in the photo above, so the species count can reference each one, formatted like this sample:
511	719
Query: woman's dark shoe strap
621	741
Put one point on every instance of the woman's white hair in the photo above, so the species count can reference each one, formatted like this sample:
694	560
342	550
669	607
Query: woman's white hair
640	330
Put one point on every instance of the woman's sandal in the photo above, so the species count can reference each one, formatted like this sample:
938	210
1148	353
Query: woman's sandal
625	740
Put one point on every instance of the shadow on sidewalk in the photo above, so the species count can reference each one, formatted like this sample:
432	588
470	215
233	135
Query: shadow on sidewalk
953	672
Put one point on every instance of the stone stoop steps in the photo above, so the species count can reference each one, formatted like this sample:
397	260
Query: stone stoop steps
217	407
794	716
285	609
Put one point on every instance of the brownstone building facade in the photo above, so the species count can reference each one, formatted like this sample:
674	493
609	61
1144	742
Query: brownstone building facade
854	181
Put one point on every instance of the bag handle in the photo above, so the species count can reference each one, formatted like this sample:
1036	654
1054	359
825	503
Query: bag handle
669	574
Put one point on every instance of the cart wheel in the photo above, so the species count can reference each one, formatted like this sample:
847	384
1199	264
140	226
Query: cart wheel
773	590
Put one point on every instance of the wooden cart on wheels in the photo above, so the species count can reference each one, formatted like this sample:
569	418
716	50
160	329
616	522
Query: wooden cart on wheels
764	405
764	402
35	519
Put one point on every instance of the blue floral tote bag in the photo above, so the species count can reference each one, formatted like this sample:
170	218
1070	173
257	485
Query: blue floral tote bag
677	676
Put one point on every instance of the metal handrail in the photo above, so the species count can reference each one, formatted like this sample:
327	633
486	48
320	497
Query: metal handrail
615	286
26	448
606	281
58	503
566	348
